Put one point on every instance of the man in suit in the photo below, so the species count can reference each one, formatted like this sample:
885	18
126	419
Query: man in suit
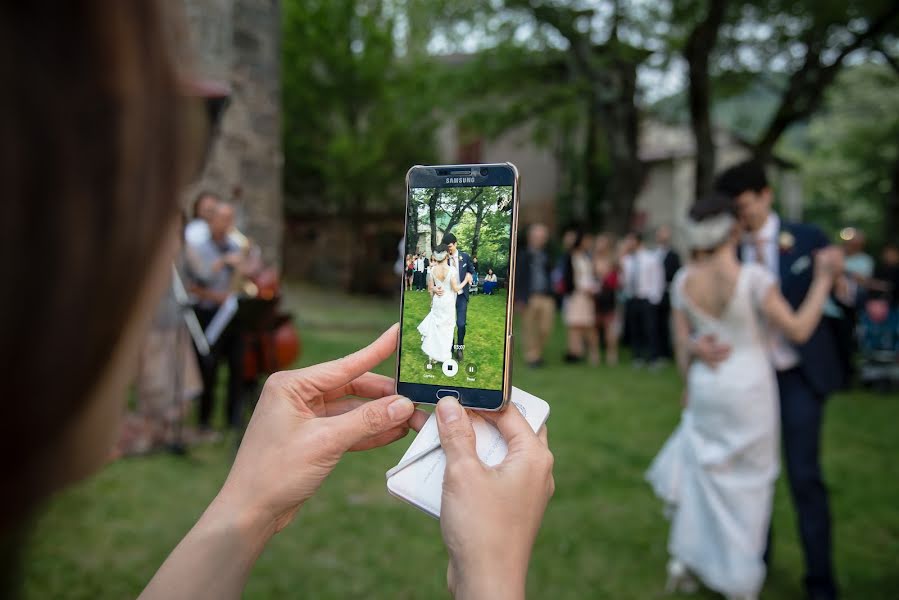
671	263
806	374
533	294
463	263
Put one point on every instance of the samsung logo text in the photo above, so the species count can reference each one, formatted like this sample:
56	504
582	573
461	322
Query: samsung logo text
460	179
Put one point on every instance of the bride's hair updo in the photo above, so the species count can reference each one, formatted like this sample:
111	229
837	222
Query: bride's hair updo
439	252
711	222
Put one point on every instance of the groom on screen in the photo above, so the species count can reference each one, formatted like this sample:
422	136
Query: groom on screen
462	262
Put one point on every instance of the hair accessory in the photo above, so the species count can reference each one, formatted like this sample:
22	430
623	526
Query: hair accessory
439	256
709	233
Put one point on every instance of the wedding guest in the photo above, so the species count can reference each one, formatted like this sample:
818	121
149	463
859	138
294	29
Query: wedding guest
68	370
607	313
628	298
475	277
429	270
806	373
490	282
533	294
219	260
421	271
196	233
859	265
167	381
580	310
648	288
718	470
859	269
561	271
409	272
887	273
671	263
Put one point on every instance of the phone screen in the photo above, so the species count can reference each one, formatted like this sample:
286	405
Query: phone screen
456	282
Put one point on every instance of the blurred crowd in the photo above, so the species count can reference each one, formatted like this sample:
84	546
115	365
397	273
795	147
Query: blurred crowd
613	291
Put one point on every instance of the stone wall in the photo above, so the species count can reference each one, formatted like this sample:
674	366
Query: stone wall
238	42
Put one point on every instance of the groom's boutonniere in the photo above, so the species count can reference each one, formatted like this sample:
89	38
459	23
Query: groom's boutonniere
786	241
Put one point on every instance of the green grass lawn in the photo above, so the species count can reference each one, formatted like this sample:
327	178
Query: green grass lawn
485	326
603	537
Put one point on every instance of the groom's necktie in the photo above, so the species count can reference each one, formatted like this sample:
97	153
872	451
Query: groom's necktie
761	250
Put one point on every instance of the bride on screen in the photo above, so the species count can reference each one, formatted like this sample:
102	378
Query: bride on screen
437	328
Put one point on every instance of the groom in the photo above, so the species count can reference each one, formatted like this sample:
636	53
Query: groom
462	262
806	374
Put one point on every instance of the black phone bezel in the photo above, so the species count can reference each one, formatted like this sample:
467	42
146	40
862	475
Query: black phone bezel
436	177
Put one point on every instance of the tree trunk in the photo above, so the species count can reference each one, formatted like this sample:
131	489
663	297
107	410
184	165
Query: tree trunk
699	45
412	225
615	93
478	220
588	212
460	210
432	217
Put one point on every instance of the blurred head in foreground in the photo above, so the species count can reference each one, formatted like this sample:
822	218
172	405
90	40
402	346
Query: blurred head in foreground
96	142
747	186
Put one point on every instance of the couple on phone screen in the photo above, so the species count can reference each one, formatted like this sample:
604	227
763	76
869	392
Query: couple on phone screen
449	285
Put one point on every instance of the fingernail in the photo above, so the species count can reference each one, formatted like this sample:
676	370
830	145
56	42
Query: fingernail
448	409
400	409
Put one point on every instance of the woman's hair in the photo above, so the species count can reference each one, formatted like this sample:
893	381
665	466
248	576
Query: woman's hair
94	139
713	205
711	224
440	248
578	239
490	269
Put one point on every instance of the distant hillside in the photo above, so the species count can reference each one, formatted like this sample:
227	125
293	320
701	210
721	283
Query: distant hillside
745	113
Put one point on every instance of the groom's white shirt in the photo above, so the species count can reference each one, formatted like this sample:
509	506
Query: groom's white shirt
783	355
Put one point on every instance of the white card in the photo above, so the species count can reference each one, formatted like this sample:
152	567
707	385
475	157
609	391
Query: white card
421	483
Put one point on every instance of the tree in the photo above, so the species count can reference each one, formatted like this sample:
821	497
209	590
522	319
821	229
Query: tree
852	149
697	50
824	56
356	114
567	62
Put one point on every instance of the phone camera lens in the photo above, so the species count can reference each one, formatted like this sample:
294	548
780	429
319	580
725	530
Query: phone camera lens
483	171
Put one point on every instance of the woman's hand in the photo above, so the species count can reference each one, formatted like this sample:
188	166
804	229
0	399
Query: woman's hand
490	516
303	424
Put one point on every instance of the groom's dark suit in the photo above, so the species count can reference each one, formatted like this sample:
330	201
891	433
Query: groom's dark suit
464	266
804	388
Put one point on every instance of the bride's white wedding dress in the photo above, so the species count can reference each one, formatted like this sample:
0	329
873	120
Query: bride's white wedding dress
438	326
717	470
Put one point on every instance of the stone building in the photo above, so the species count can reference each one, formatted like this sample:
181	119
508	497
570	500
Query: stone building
237	42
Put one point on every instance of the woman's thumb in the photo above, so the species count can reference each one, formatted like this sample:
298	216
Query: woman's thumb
456	433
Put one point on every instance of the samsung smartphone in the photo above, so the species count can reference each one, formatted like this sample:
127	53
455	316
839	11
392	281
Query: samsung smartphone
458	284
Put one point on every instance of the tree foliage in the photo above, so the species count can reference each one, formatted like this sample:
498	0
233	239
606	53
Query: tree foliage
357	115
851	151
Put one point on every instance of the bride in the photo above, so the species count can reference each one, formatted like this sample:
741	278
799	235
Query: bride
438	326
716	472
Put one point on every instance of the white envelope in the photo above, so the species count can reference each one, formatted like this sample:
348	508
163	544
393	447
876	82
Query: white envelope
421	482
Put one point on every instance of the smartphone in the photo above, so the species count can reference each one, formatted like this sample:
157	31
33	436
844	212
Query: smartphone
458	284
